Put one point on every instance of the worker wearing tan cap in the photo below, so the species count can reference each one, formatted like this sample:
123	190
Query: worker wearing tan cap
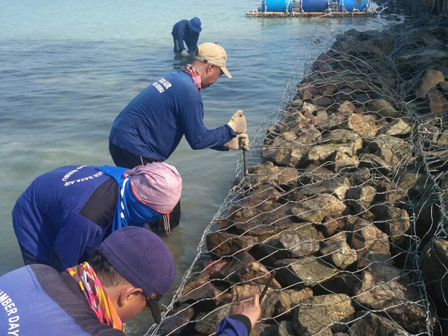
151	126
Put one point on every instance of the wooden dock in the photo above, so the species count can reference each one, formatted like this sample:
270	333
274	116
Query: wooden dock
311	14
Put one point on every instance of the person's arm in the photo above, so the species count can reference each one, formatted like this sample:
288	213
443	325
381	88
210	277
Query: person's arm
242	319
78	234
197	135
237	325
192	42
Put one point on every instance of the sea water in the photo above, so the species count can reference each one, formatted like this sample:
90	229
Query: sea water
67	68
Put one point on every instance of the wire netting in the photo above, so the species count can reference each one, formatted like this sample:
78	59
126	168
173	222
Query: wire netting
344	197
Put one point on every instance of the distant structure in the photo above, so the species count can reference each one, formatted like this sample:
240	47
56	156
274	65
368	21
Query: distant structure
300	8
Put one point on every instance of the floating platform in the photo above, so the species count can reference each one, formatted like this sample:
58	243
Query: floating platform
312	14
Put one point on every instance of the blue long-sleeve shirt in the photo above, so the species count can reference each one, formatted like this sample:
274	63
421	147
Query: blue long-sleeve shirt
67	213
182	33
155	121
36	300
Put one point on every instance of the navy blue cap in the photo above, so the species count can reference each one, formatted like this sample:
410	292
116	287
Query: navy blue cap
195	24
142	258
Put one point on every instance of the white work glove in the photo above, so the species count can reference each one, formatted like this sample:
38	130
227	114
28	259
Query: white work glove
185	53
238	122
241	141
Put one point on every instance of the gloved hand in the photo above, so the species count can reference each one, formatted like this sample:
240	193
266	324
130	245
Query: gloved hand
185	53
238	122
241	141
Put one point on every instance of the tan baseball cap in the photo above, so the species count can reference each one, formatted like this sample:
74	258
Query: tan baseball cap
214	54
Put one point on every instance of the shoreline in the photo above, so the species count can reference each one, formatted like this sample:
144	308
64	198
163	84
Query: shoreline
348	204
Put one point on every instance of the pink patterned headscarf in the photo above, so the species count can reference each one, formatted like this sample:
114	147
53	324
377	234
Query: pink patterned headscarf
157	185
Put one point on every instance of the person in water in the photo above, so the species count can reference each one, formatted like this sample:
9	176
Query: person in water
151	126
186	31
65	214
132	269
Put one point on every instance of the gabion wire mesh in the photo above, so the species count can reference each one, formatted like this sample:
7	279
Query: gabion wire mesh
344	198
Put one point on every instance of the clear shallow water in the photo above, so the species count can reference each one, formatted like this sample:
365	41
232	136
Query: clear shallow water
68	68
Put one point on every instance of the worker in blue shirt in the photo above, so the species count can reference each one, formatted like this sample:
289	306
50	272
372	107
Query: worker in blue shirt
131	269
151	126
66	213
188	31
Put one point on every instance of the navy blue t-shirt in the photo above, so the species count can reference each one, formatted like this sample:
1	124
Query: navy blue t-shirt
154	122
58	216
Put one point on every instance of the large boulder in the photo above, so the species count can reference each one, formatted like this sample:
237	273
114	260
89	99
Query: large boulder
371	244
374	325
397	127
362	124
337	186
322	314
386	288
268	173
244	269
382	107
317	208
390	149
338	251
301	273
226	244
429	80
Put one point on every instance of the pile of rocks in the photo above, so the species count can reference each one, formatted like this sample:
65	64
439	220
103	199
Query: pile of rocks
350	185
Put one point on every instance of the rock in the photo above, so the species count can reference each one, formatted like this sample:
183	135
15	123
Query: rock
213	266
346	108
241	293
226	244
370	243
362	124
266	224
323	313
323	101
338	251
434	266
396	127
387	288
268	173
437	102
296	297
375	163
341	136
382	107
329	89
337	187
301	273
390	149
345	94
360	198
342	283
429	80
206	322
174	323
316	209
203	293
275	304
396	223
264	329
374	325
244	269
297	241
314	173
343	161
309	135
330	123
290	154
309	107
293	121
443	87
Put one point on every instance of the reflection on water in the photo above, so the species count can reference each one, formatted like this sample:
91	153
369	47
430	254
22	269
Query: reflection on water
67	70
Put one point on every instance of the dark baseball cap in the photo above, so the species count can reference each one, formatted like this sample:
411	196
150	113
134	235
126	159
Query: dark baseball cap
143	259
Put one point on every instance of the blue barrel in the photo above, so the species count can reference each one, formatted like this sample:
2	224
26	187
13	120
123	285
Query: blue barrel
276	5
354	4
314	5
